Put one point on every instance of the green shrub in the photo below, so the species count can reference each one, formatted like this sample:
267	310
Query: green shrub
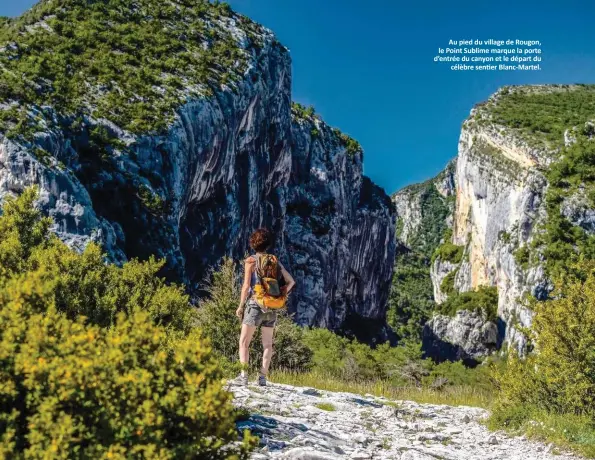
83	284
449	252
483	300
560	376
411	299
447	286
522	256
457	374
98	361
350	360
551	394
74	389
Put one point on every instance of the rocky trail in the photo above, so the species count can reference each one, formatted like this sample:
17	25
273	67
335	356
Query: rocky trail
309	424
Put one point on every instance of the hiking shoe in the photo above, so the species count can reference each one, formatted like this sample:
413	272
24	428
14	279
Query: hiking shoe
262	381
242	380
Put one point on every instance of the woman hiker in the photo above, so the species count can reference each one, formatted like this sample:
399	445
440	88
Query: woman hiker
260	300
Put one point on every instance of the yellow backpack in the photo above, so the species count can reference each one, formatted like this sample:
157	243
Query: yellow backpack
267	292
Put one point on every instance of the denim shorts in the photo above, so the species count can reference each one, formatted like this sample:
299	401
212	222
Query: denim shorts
255	316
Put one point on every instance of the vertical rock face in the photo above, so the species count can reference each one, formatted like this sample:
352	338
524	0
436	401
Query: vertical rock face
228	164
423	210
339	230
500	208
499	202
467	336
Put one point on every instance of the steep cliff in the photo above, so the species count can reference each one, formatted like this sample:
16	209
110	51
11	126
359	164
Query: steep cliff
177	139
424	214
522	211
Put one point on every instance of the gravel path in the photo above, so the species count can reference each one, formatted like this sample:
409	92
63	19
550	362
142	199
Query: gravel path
308	424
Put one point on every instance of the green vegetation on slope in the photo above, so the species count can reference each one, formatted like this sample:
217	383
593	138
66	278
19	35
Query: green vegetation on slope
549	395
130	63
556	386
484	300
449	252
308	114
560	242
543	114
98	361
411	300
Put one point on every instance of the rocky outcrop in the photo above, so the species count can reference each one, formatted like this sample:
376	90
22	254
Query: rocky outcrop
338	230
468	336
305	423
439	270
419	206
578	209
227	164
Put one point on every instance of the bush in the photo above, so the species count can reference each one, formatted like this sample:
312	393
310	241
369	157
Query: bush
83	284
560	376
76	389
350	360
551	394
447	286
146	386
449	252
484	300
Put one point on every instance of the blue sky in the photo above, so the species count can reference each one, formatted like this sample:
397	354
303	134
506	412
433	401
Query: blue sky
367	67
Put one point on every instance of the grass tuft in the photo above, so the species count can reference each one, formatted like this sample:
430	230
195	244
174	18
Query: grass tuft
326	406
452	396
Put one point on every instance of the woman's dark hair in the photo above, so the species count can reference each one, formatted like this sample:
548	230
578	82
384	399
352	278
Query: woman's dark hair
261	239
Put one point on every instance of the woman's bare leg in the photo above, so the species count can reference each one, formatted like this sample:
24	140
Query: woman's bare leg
245	339
267	345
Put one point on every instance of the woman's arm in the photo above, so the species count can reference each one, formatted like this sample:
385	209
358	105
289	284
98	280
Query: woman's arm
248	267
289	281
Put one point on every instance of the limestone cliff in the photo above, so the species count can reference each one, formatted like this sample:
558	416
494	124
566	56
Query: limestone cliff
506	149
226	155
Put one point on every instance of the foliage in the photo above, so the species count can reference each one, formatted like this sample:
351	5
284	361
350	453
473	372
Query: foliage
152	201
84	284
559	378
432	227
411	300
132	64
349	360
447	286
352	146
545	113
561	243
119	392
449	252
144	386
561	375
301	111
522	256
484	300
